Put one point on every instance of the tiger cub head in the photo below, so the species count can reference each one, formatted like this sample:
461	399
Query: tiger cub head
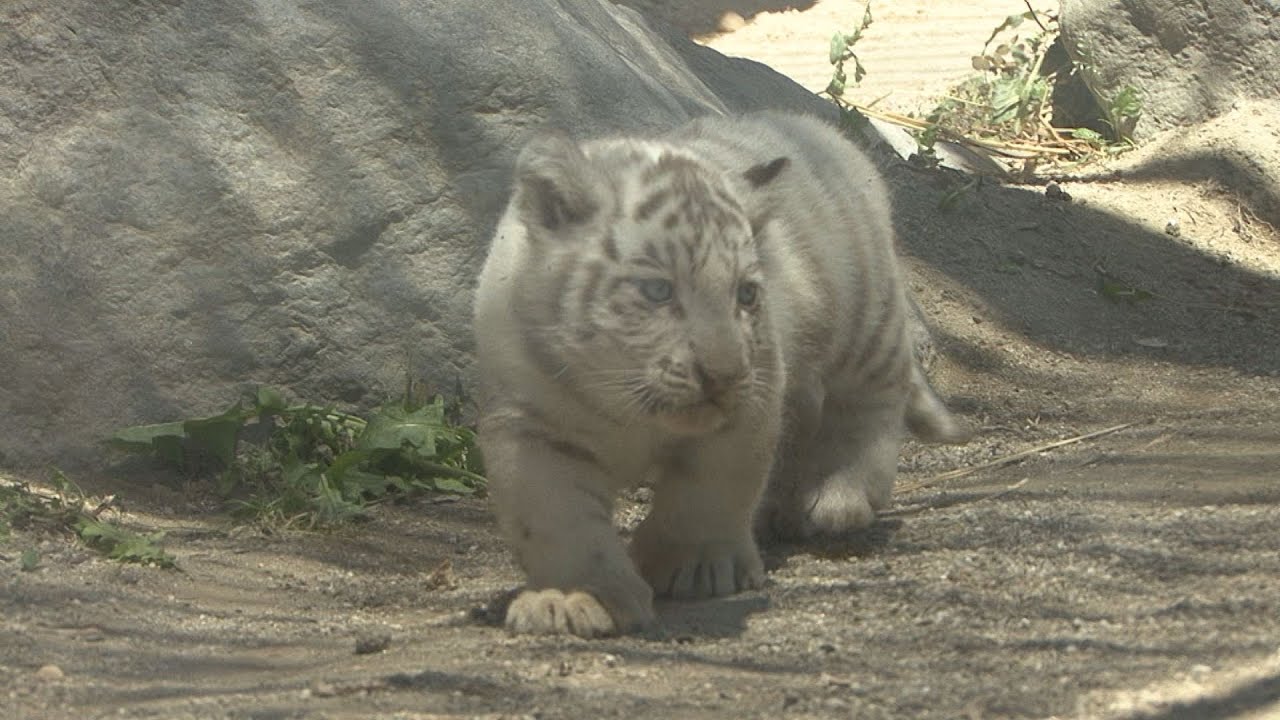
645	293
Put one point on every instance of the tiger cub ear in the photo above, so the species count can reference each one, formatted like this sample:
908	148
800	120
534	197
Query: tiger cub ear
553	182
764	173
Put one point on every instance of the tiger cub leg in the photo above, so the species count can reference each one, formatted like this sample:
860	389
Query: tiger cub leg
554	507
847	472
697	541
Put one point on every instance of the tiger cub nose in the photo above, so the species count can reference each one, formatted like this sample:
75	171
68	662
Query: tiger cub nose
715	381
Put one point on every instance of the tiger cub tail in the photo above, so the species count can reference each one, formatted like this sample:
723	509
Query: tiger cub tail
928	417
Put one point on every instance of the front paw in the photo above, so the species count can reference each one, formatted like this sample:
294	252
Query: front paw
695	571
576	612
552	612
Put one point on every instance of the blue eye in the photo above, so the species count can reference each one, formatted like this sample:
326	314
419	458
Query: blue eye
655	290
748	293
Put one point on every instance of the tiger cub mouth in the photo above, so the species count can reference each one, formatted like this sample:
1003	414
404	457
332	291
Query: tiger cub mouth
699	417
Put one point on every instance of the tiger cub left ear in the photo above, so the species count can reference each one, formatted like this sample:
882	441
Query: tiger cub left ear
764	173
555	184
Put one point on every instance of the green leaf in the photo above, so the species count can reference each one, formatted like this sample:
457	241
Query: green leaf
1087	135
347	462
453	485
1006	98
170	450
124	545
358	483
394	426
838	45
268	401
142	438
1009	23
1127	103
1120	292
297	474
30	559
217	435
837	84
164	441
332	506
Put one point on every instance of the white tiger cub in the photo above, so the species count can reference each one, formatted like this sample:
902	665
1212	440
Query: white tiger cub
714	311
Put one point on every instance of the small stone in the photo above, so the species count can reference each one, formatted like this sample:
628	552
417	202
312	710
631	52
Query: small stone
1054	191
372	644
50	673
324	689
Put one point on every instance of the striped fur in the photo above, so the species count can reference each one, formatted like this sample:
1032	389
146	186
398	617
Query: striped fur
718	311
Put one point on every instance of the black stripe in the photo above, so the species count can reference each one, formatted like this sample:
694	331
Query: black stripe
724	197
587	296
651	204
670	247
541	350
564	447
880	373
651	252
872	336
611	246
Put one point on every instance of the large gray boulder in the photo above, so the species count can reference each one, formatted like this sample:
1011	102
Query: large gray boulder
1191	61
203	196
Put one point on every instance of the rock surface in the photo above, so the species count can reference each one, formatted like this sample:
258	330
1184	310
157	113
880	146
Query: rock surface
205	196
1191	61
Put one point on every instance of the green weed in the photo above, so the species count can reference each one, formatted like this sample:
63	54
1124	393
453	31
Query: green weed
1005	109
67	507
308	465
1005	106
118	543
842	51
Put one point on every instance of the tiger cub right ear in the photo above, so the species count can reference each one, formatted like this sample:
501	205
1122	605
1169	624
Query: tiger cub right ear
553	182
764	173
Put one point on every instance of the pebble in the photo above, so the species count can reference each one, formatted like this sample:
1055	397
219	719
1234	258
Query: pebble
50	673
372	644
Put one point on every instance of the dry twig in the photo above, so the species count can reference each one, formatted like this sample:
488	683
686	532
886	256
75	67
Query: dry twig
1007	459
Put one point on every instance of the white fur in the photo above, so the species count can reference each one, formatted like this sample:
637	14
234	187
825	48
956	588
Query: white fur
830	376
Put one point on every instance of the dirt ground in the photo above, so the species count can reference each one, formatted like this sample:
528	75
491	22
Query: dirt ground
1131	575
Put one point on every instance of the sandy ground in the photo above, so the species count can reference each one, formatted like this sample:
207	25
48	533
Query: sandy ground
1132	575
